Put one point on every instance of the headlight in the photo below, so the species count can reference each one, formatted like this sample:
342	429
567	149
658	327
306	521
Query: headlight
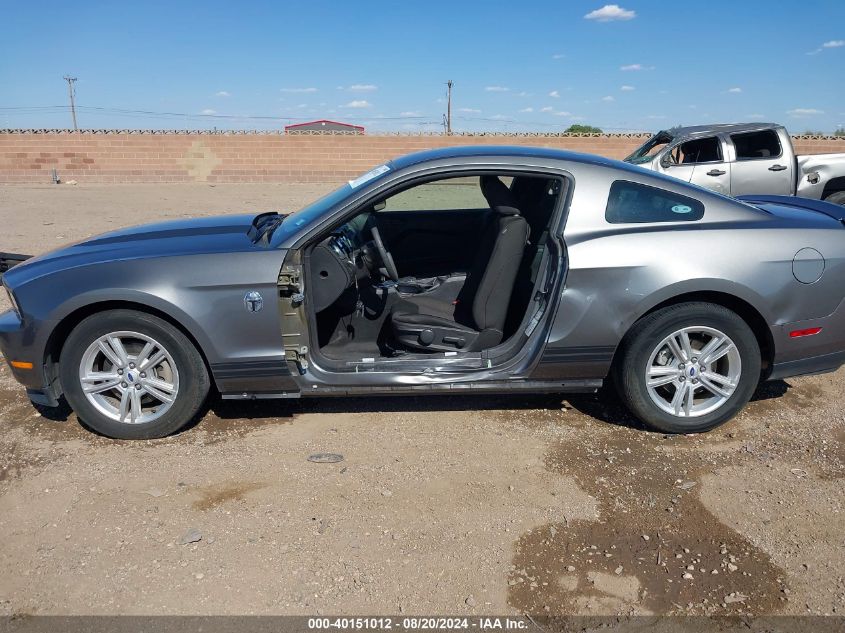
13	301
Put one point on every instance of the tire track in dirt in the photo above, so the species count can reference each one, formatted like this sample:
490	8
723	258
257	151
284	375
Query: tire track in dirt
655	548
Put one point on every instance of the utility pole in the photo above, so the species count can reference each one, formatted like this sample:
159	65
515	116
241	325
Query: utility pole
449	107
71	93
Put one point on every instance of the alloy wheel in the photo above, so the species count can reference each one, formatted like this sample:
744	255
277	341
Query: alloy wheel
693	371
129	377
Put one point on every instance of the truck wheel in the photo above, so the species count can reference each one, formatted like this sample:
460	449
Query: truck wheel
130	375
837	197
688	368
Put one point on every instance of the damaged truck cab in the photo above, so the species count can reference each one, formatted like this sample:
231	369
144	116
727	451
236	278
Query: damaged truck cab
743	159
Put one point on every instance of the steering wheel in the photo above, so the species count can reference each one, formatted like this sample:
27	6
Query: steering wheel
386	257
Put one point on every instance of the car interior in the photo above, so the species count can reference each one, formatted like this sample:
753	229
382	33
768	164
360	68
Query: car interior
703	150
440	267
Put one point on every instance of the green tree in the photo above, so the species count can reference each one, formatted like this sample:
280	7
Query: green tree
839	131
583	129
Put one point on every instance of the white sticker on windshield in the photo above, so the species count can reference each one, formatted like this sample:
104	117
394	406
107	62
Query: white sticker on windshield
373	173
681	208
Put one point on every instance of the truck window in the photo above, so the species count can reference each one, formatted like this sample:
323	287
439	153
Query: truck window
755	145
700	150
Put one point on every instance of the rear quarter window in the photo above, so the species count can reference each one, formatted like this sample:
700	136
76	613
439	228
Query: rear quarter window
632	202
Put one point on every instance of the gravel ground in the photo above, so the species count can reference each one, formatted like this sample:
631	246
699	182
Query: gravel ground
440	505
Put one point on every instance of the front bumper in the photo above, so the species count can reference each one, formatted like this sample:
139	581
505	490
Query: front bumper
22	342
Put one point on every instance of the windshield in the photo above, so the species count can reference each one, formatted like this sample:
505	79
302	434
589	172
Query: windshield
313	212
650	148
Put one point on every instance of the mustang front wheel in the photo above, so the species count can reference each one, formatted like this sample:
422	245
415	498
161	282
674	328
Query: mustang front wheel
689	367
131	375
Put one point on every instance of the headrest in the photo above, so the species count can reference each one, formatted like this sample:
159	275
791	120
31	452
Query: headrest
498	196
529	191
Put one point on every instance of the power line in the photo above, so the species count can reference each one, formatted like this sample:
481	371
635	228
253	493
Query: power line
71	91
152	113
129	113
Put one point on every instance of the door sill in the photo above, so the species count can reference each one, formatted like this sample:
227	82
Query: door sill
482	386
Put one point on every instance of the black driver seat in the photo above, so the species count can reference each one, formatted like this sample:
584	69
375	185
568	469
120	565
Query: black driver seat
476	320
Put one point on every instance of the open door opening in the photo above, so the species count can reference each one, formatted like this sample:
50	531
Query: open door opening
448	267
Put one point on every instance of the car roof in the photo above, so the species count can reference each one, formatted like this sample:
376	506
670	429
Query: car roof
720	128
506	151
527	152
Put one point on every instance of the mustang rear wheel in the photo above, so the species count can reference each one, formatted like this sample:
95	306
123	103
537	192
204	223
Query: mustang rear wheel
688	368
131	375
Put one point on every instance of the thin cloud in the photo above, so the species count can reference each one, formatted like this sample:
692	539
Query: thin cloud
223	93
497	89
554	94
500	117
799	113
608	98
523	94
756	115
547	109
627	88
735	90
558	56
527	110
469	110
298	90
562	113
411	113
830	44
362	88
611	13
208	111
656	116
358	103
635	67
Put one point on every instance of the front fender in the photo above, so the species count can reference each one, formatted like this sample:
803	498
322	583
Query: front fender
202	293
143	299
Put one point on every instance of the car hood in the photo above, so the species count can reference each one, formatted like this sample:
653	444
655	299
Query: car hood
221	234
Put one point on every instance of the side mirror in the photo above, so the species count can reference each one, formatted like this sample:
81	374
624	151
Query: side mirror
378	206
666	160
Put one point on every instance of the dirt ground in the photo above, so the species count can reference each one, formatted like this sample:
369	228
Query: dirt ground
441	504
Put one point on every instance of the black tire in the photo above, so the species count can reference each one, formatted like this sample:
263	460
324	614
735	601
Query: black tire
635	353
194	381
837	197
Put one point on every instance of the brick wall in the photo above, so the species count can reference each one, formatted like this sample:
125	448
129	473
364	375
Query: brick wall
207	157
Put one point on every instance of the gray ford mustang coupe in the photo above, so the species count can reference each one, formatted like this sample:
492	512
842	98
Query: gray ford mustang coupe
465	270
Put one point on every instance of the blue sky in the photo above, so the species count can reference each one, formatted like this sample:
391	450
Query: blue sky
532	65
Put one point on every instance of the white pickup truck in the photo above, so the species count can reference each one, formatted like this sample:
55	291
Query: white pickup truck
743	159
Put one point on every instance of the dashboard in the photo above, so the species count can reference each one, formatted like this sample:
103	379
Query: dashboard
337	262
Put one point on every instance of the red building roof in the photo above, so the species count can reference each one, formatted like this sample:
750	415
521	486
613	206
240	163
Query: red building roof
322	124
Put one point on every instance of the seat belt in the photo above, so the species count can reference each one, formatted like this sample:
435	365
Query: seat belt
542	293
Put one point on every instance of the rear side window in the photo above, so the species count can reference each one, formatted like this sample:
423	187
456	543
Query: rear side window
631	202
755	145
